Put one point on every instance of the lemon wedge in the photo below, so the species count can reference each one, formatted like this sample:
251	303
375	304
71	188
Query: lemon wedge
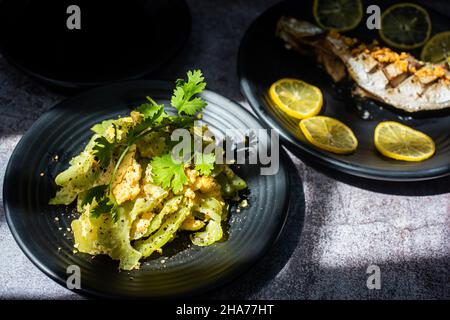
437	49
400	142
338	15
329	134
296	98
405	26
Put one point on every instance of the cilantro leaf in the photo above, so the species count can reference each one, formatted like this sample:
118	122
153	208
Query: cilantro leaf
180	121
194	106
204	163
167	173
152	113
105	205
183	96
94	193
150	110
103	151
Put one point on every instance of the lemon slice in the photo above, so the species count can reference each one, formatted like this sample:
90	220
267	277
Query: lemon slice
437	49
400	142
297	98
329	134
405	26
339	15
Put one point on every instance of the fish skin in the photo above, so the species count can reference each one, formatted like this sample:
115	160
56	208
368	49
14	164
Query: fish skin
292	30
384	82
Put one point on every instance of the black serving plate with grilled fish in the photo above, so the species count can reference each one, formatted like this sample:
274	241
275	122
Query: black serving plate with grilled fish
182	269
117	40
263	59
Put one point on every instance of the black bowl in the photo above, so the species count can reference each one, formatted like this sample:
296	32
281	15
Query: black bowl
263	59
41	230
118	40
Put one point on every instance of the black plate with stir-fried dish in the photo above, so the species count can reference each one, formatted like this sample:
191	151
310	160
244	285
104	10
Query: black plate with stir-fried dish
264	59
183	269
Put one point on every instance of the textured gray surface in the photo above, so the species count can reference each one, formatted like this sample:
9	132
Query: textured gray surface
345	228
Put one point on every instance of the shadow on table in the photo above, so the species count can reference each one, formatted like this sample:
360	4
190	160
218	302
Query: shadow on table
417	279
2	214
291	269
22	100
278	256
411	188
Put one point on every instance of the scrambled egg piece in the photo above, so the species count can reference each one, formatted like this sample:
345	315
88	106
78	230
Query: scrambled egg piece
191	224
121	126
140	226
204	184
126	183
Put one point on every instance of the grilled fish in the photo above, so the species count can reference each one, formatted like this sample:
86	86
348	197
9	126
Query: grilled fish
397	79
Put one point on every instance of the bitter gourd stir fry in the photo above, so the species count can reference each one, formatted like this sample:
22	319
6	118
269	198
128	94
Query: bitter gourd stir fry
133	196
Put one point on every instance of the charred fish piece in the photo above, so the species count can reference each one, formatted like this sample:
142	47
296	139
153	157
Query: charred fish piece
397	79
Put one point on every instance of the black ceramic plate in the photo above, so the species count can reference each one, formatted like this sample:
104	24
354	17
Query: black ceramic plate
118	40
63	131
263	59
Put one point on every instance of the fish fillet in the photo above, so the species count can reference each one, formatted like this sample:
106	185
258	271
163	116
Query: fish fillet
396	79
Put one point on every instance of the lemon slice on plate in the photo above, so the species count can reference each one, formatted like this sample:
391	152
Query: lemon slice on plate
437	49
400	142
405	26
329	134
339	15
296	98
